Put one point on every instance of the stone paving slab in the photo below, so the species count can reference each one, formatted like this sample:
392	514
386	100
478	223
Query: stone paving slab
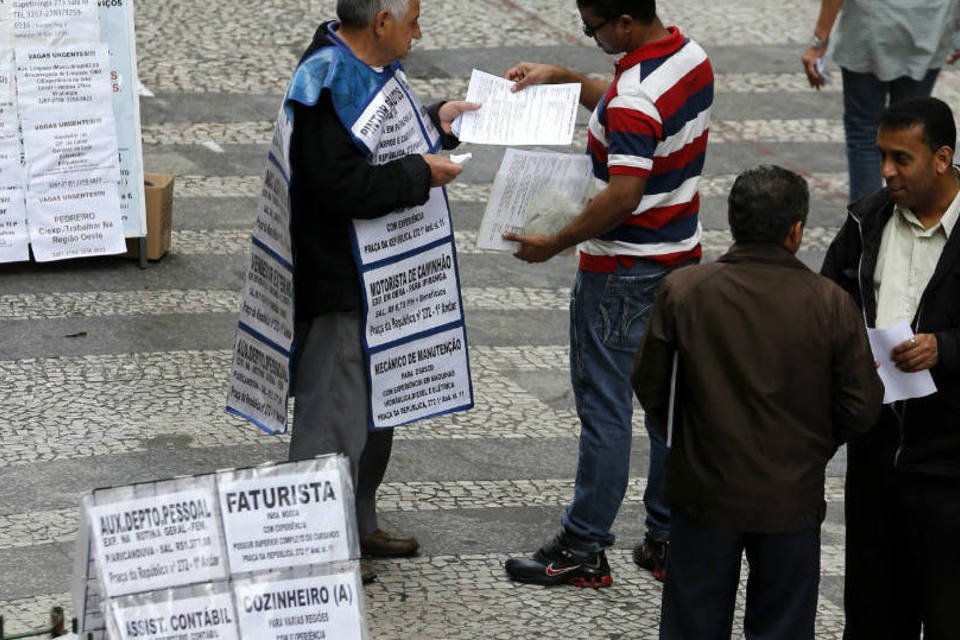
259	132
218	70
37	528
64	408
95	304
450	597
711	185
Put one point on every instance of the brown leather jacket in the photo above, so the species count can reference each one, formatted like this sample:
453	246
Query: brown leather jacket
774	373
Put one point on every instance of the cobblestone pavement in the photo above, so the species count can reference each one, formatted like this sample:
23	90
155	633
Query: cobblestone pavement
113	375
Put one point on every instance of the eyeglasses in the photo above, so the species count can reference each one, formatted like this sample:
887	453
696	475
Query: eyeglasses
590	29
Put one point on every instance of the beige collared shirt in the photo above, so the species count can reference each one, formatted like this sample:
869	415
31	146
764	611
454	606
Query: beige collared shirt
908	257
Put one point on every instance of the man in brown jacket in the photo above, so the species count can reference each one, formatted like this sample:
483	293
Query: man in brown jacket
757	369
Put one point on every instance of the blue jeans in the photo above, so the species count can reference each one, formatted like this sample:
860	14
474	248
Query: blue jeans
608	318
864	98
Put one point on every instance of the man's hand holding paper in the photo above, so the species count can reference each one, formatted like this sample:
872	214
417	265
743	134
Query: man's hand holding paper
541	115
916	354
901	356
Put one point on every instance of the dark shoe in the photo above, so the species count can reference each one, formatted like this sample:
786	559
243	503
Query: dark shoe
367	573
558	563
383	544
651	554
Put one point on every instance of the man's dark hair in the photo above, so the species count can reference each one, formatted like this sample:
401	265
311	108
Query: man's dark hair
765	202
932	114
643	10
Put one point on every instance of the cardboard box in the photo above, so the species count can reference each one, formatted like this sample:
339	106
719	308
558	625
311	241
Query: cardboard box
158	188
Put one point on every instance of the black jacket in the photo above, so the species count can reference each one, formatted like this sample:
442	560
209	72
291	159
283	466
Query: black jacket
922	434
332	183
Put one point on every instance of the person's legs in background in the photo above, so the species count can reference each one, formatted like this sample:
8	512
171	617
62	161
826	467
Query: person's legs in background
864	98
700	590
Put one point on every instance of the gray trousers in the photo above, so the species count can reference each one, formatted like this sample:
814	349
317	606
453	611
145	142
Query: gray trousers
331	410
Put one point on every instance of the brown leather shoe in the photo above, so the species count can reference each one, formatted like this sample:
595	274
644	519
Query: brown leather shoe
384	544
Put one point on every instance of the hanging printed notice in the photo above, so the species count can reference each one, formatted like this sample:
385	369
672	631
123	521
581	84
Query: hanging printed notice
117	31
315	607
147	543
75	223
420	292
403	231
53	22
58	145
74	78
11	169
205	612
259	379
421	378
268	297
289	515
14	238
411	284
272	225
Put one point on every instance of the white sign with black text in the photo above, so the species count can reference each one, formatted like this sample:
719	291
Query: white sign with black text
317	606
289	515
205	612
158	541
75	223
420	378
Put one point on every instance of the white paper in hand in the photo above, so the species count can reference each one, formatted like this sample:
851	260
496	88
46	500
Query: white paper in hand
539	188
540	114
898	385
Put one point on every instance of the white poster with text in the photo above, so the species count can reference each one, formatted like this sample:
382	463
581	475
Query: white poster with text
259	383
290	515
419	292
75	223
420	378
56	80
14	235
402	231
200	613
315	607
51	22
60	144
158	541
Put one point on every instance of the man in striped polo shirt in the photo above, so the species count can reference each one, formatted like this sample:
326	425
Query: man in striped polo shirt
647	138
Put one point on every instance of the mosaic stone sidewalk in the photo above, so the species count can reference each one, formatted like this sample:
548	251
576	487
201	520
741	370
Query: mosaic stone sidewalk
113	375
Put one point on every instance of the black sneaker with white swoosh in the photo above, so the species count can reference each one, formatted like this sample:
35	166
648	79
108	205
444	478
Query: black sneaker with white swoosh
558	563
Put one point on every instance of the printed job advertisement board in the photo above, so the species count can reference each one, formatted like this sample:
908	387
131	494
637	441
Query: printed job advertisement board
289	515
420	378
195	558
159	539
117	31
69	115
323	604
259	380
203	612
401	231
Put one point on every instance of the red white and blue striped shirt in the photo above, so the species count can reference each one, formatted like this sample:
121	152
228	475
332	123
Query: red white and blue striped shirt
654	122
